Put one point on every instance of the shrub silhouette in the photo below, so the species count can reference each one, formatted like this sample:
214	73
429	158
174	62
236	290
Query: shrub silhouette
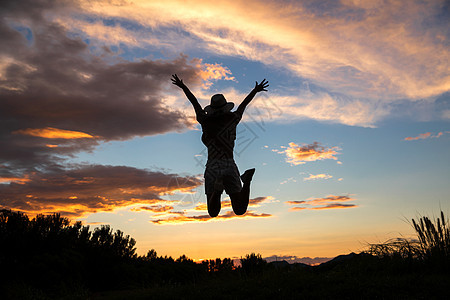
218	265
253	263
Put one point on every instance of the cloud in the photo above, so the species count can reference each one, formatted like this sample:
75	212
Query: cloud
14	179
258	200
446	114
370	53
296	202
329	202
52	86
353	61
290	179
297	155
154	208
318	176
424	136
254	202
214	72
331	198
91	188
297	208
182	219
53	133
335	205
306	105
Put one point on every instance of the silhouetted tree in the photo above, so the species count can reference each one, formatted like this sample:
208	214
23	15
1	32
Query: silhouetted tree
151	255
253	263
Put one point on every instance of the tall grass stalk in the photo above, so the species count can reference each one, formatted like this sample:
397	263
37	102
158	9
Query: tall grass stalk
432	244
434	238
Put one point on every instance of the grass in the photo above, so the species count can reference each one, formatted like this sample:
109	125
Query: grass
432	246
434	239
341	283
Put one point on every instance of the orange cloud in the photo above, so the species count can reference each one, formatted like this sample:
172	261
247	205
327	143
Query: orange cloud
20	180
256	201
331	198
54	133
295	202
423	136
297	155
209	72
298	208
182	219
318	176
227	203
154	208
335	205
329	202
419	137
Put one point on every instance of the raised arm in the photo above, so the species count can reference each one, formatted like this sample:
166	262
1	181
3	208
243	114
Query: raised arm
259	87
179	83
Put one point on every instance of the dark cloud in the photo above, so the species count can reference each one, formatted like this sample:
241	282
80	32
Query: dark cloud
51	79
89	189
296	202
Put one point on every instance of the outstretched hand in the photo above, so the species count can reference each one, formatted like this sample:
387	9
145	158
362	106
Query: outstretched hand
259	87
177	81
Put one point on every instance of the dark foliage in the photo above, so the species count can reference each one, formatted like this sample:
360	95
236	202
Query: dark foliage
47	255
253	263
218	266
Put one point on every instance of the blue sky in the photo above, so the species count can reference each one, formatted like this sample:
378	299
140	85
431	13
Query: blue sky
355	123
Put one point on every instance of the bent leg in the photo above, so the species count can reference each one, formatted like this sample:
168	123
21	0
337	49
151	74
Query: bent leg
213	202
239	201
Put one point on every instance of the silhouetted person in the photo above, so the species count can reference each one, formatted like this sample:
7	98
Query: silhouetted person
219	133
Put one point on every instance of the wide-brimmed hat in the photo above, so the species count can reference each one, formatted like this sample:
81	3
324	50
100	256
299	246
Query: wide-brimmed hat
218	102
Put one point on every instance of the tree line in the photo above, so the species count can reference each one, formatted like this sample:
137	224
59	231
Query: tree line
50	254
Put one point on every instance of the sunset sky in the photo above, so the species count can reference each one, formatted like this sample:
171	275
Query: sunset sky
351	140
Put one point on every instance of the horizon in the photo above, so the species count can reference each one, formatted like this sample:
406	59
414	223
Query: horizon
350	142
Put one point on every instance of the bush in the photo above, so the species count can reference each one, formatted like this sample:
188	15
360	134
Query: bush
253	263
